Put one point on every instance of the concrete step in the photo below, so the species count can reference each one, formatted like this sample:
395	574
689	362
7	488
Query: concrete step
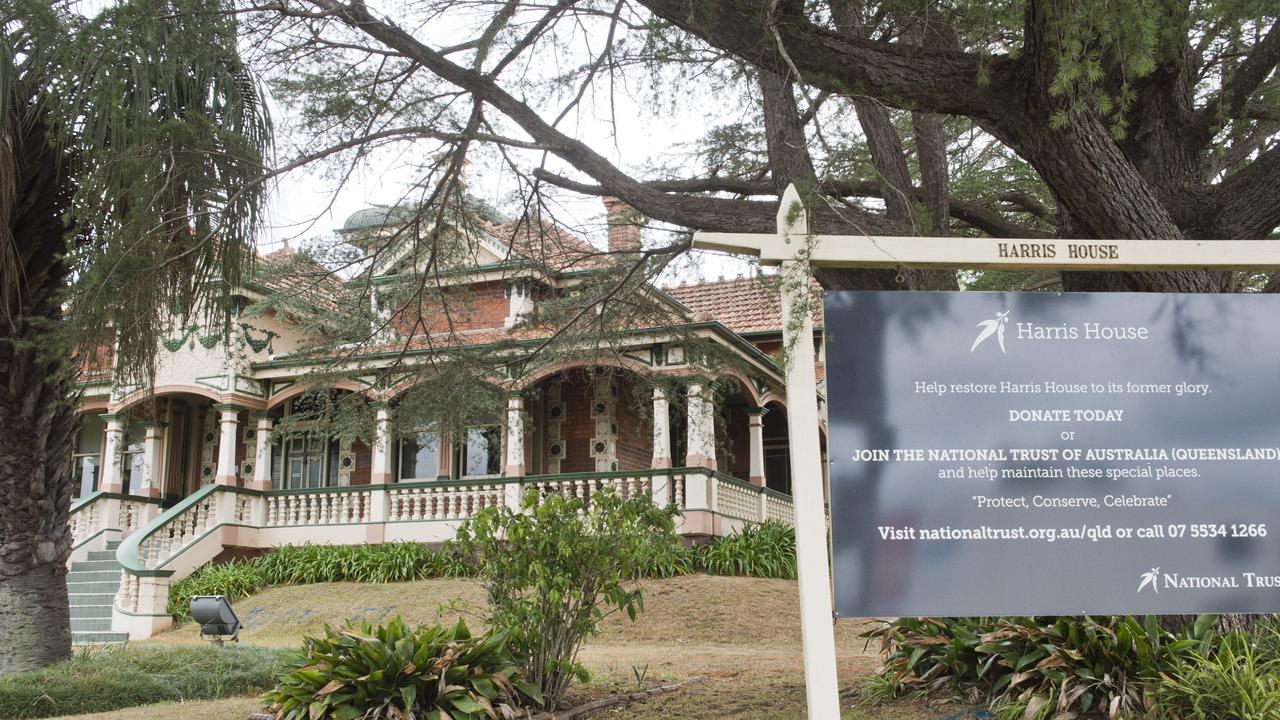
97	586
102	555
95	565
90	612
90	625
84	576
92	598
98	638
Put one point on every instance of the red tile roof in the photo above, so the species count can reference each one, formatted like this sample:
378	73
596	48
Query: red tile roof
744	305
542	242
299	277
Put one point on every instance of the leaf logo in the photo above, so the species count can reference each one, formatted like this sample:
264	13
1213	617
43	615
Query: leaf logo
1149	578
994	326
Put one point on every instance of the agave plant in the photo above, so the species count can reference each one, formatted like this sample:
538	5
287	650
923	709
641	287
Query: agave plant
394	672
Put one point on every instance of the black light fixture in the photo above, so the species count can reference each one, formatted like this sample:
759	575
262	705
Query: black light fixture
215	617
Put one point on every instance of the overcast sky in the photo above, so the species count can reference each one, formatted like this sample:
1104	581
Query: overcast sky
304	205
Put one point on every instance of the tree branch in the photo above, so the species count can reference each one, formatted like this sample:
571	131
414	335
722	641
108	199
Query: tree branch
905	76
1248	197
1248	75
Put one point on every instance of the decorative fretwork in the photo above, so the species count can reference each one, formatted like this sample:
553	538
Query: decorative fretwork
257	345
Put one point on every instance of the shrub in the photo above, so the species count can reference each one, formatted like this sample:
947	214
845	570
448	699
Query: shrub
396	672
1034	668
666	558
1233	682
765	551
553	571
235	579
111	678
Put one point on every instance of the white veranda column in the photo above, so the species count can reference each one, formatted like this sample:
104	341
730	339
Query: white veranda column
515	449
381	474
229	421
262	452
661	429
755	420
382	446
153	458
112	454
660	485
701	433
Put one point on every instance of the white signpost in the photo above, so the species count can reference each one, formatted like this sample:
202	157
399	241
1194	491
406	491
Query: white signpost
798	252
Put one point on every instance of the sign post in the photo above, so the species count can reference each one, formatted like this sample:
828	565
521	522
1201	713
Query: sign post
813	566
798	251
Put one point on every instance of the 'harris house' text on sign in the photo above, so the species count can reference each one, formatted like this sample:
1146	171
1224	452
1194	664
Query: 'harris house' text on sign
1043	454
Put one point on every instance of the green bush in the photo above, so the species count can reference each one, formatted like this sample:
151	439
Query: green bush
553	571
1034	668
396	672
235	579
1233	682
764	551
125	676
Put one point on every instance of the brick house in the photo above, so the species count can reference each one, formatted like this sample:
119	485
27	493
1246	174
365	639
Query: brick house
173	476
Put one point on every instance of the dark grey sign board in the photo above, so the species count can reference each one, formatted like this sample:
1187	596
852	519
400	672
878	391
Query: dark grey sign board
1053	454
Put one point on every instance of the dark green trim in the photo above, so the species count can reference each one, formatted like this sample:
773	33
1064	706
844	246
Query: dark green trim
229	407
715	326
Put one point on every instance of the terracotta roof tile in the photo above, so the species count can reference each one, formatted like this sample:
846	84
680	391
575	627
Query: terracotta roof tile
287	272
744	305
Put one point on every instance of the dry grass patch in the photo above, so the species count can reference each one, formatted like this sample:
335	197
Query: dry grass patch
232	709
743	633
280	617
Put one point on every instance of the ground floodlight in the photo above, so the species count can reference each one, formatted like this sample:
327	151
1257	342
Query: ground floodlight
215	617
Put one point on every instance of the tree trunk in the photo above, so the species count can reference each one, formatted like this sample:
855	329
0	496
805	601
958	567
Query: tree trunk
37	413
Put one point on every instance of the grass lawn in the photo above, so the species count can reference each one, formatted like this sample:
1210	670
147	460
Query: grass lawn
742	634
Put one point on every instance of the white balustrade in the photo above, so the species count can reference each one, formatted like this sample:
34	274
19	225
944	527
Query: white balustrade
677	490
626	486
779	509
345	507
84	522
734	500
244	509
128	594
440	502
169	539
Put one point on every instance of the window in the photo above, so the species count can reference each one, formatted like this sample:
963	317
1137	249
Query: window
481	454
419	456
87	455
304	461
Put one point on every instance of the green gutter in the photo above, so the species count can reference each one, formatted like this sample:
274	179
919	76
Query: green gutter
713	325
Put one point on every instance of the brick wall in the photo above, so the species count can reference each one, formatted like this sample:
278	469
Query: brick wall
475	307
578	427
635	431
362	473
735	442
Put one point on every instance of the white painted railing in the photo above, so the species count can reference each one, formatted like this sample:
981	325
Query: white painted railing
83	520
182	530
583	486
101	517
441	501
342	506
735	500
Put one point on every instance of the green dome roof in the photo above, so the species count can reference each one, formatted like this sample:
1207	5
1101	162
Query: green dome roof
377	216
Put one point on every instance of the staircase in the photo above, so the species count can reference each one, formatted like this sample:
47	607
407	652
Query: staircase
92	586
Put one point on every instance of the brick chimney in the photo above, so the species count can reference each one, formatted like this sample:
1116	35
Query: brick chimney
624	226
